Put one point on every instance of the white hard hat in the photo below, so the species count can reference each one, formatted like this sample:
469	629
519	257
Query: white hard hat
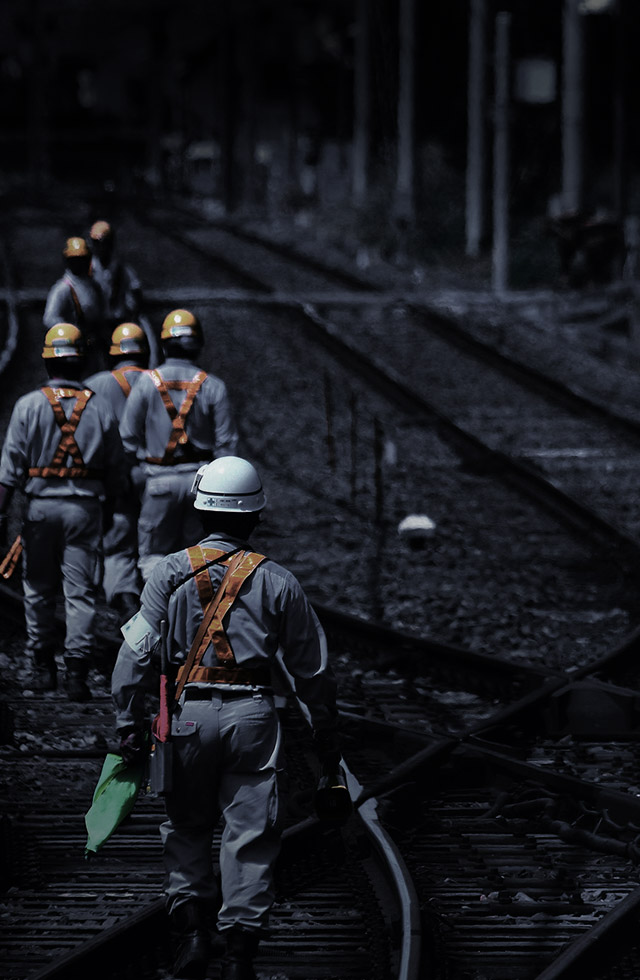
228	484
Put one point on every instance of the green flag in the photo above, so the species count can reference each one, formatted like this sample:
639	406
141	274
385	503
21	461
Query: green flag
113	799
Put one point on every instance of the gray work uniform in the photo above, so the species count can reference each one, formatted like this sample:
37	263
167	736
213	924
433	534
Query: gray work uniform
168	520
227	738
62	530
121	540
122	297
78	300
120	288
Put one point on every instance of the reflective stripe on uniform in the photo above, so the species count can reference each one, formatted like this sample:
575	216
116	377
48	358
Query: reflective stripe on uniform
139	634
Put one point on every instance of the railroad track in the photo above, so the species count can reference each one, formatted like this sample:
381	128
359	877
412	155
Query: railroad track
412	736
392	763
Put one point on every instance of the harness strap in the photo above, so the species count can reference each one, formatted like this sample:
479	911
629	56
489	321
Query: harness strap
178	435
76	303
67	445
120	374
211	630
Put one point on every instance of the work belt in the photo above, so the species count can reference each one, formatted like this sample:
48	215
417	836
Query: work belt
247	676
190	455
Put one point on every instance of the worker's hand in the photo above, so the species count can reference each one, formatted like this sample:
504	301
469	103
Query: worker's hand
133	746
327	747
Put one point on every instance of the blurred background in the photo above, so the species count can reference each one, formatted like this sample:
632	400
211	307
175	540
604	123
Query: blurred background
427	132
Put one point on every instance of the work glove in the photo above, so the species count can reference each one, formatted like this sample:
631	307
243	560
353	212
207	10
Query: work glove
3	531
133	746
327	747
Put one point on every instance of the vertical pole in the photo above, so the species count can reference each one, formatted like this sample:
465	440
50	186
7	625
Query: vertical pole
405	176
572	108
328	406
475	128
354	447
620	112
229	93
37	137
155	103
378	452
501	157
362	107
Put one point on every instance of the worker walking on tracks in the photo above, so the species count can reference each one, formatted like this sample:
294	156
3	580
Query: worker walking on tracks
119	284
228	610
129	357
76	298
64	451
176	418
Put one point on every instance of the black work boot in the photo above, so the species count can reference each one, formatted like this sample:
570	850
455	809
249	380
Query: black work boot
44	676
192	941
75	680
237	962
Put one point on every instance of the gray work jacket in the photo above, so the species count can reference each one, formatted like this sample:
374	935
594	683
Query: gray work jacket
271	615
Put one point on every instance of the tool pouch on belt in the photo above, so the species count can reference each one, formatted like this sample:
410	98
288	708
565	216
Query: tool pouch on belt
160	781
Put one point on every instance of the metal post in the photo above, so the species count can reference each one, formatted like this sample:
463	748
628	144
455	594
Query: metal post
572	109
501	156
405	177
361	105
475	128
328	406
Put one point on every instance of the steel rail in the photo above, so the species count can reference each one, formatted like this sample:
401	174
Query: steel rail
524	477
451	330
287	251
593	951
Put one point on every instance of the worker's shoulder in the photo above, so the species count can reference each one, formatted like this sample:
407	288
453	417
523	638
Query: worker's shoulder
99	382
279	574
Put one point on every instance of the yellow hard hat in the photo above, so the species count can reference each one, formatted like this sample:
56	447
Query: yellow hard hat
128	338
75	248
63	340
100	230
181	325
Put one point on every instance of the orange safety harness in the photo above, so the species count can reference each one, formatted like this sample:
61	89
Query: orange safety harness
67	445
178	436
211	631
120	374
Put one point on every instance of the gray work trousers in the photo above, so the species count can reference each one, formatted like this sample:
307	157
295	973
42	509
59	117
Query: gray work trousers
168	521
226	762
62	539
121	557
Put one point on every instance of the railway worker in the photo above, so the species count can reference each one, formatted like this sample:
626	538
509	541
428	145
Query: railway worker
76	298
176	418
225	730
129	357
119	284
64	451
